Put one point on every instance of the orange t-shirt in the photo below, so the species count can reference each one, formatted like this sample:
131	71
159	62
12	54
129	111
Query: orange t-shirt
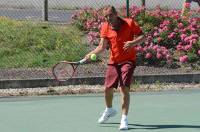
117	38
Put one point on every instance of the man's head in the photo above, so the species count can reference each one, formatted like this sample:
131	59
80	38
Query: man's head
111	15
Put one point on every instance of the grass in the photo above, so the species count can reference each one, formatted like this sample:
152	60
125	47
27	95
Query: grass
33	45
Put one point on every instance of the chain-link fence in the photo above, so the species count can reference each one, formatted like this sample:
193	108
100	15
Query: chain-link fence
62	10
58	10
29	49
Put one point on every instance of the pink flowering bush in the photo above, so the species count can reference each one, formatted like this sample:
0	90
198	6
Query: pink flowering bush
167	35
89	20
170	40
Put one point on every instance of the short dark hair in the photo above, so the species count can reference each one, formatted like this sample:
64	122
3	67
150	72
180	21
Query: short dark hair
112	8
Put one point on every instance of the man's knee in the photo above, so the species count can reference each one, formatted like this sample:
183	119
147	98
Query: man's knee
108	91
125	90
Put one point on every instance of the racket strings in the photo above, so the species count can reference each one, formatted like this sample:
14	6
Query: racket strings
63	71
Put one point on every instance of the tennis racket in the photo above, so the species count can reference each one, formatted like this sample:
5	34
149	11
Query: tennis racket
64	70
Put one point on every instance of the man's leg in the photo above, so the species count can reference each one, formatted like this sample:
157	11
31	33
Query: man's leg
109	111
125	82
125	100
108	97
111	81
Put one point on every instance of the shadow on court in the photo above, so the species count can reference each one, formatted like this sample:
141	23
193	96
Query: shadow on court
152	127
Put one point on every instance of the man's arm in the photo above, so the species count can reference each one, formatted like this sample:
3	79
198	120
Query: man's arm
100	48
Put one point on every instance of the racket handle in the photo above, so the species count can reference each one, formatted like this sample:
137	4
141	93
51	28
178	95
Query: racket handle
82	61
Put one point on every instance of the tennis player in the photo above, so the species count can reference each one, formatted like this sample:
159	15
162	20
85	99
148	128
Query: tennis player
118	34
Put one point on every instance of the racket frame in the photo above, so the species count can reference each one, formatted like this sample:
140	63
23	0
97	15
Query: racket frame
74	66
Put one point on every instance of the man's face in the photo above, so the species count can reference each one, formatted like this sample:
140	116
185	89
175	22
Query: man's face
111	17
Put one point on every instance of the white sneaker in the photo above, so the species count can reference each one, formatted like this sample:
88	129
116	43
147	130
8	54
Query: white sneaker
123	124
106	115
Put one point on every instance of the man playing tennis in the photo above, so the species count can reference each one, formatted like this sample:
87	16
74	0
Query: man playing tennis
118	34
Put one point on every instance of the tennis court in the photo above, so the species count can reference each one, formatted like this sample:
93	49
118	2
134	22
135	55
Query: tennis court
169	111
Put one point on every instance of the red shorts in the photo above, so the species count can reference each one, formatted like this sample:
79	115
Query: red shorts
119	75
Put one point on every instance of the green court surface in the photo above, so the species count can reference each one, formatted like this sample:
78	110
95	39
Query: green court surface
172	111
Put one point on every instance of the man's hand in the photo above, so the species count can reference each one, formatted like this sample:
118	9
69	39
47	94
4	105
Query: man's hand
128	45
100	48
87	57
137	41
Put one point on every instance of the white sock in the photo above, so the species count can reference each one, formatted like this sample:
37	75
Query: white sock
107	109
124	117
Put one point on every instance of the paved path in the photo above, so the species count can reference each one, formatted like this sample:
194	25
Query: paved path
63	16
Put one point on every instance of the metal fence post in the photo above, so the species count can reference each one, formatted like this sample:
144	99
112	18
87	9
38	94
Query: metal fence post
127	8
45	10
143	3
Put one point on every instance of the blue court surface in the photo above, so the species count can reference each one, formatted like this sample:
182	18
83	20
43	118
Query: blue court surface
171	111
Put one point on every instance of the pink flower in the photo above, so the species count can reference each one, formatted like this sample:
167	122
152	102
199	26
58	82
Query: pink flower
160	30
159	39
166	22
184	30
149	38
165	52
183	58
168	57
171	35
194	36
179	47
148	56
180	43
162	25
169	61
192	29
194	23
187	39
158	55
176	30
155	34
155	47
165	28
180	25
139	48
183	36
187	5
199	52
158	50
93	37
193	41
176	16
188	47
